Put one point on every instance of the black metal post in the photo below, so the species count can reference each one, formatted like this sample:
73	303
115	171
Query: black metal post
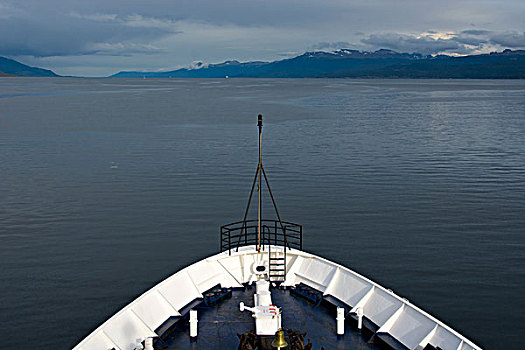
275	233
301	235
229	243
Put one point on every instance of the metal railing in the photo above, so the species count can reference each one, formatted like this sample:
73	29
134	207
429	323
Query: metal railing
273	232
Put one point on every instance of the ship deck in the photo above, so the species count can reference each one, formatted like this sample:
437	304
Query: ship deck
219	325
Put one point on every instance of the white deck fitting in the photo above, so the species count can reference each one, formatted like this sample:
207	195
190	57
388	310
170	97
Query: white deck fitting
394	315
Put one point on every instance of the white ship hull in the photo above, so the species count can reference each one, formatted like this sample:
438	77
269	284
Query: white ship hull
392	314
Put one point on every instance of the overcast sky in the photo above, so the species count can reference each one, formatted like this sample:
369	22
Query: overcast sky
101	37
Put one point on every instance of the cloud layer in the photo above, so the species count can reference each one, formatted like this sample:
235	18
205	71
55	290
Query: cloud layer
100	37
75	34
432	42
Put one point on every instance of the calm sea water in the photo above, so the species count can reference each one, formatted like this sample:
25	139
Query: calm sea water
108	186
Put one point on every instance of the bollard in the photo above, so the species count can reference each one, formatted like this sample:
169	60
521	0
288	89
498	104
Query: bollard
148	343
359	313
193	323
340	321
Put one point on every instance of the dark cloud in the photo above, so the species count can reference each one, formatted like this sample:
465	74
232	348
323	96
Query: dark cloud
324	45
410	43
509	39
244	13
78	34
470	40
475	32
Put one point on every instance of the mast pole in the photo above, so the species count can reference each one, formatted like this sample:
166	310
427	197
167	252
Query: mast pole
259	124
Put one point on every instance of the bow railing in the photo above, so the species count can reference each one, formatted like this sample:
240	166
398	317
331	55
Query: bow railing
273	232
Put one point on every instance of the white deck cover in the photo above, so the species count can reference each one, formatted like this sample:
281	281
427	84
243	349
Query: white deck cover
394	315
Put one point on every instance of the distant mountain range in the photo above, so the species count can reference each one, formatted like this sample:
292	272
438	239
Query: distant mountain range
343	63
357	64
10	67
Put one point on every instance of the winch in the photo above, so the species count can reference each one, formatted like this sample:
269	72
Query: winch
267	316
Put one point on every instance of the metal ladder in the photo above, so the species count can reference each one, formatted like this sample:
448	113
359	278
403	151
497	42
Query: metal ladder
277	268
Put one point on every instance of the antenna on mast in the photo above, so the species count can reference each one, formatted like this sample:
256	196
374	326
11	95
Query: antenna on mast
259	174
259	170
